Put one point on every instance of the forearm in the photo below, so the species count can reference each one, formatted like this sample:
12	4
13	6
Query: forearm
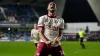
58	38
41	33
42	36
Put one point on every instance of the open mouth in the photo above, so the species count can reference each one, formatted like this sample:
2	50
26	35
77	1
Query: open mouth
52	7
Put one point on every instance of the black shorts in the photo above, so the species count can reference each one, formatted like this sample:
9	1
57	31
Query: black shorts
81	39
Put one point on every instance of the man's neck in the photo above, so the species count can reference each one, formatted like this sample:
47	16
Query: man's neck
50	14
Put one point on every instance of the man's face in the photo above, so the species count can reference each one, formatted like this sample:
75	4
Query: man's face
35	26
52	7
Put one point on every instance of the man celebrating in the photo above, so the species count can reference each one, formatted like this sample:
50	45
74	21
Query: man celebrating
50	29
35	35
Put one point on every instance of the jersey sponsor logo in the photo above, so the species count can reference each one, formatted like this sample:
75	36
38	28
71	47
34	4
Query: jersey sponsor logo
51	27
51	24
56	21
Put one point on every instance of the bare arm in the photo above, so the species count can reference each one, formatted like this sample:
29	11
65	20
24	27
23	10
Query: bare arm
42	36
58	38
41	29
60	35
31	34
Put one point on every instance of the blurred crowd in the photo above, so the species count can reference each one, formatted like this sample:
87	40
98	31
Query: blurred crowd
25	35
15	36
20	13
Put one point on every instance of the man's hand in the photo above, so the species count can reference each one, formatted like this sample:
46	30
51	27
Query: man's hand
54	42
48	43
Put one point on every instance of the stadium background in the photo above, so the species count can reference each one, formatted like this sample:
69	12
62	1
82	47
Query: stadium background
18	16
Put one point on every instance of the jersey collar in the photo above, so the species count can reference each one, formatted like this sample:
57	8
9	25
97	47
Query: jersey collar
53	16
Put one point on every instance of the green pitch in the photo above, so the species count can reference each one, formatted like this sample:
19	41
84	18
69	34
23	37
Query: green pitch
28	49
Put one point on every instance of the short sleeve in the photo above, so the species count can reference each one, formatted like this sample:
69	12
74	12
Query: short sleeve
62	24
41	21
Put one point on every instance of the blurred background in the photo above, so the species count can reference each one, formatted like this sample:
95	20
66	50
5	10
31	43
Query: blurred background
18	16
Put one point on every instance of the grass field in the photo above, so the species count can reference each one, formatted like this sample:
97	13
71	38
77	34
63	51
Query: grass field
28	49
